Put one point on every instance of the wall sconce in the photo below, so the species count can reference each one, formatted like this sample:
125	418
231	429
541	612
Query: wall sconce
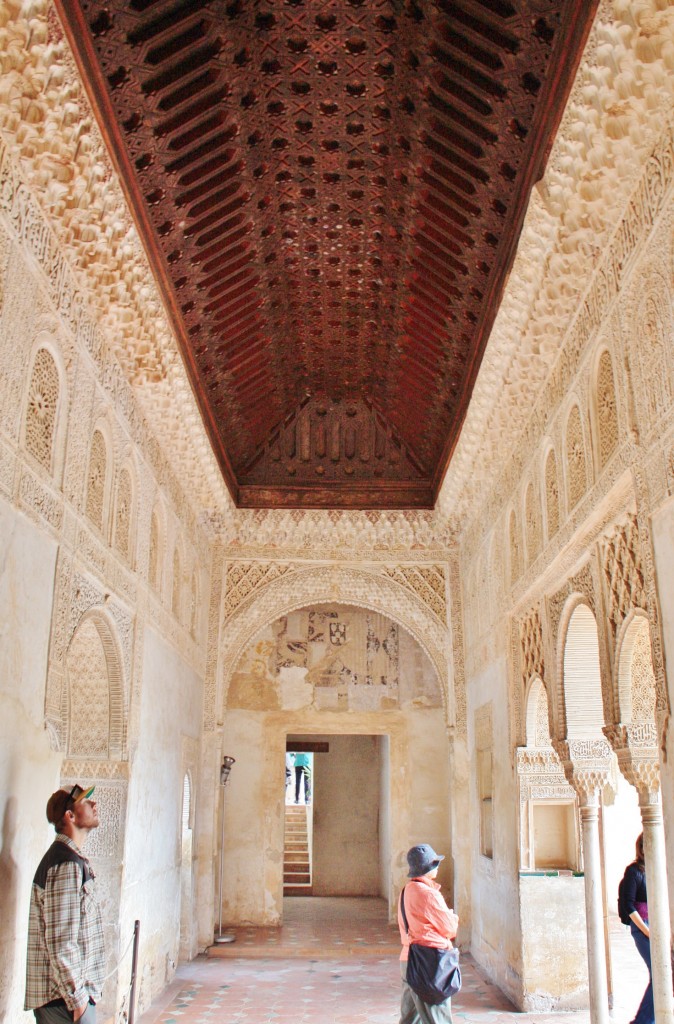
225	769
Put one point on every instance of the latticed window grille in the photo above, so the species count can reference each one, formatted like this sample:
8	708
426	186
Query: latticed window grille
607	411
552	494
89	694
514	541
193	604
96	479
533	521
575	458
154	551
42	407
177	583
123	514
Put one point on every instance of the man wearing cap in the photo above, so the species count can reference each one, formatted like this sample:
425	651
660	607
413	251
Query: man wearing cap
430	923
66	960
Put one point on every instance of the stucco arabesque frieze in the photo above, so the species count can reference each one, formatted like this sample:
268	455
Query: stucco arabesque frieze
67	206
560	288
427	581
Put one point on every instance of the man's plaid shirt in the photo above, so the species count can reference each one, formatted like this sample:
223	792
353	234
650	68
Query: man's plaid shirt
65	959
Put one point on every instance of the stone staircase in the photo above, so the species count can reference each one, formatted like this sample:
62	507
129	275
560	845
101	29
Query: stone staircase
296	859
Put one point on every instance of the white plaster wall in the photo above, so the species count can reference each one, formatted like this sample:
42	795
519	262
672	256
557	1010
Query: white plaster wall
429	790
29	769
384	816
346	815
495	932
171	706
553	932
663	549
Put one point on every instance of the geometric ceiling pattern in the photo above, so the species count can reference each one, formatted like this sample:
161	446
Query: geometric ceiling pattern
330	193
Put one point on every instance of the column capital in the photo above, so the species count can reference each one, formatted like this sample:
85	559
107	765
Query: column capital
636	749
588	766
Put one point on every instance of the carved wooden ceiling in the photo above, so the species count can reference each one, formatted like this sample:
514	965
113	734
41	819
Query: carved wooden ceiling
330	193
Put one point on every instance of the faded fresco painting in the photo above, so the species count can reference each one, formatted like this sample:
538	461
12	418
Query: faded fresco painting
335	657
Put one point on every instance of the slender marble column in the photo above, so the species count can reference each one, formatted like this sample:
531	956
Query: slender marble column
658	910
596	950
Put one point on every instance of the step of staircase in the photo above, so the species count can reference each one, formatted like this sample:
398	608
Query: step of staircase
296	859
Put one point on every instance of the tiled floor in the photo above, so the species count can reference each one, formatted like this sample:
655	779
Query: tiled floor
335	962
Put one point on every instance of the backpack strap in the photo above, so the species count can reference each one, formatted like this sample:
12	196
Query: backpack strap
402	909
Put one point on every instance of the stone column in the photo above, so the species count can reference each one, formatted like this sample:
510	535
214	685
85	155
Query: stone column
594	911
587	766
637	752
658	910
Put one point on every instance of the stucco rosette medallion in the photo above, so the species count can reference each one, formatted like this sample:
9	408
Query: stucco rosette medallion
636	749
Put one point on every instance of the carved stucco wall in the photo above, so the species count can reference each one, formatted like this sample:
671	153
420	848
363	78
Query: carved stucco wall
79	462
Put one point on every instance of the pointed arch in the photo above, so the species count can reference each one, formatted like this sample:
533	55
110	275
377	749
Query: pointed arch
581	675
95	713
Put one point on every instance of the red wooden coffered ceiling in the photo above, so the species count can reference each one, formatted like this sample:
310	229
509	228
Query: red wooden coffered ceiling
330	193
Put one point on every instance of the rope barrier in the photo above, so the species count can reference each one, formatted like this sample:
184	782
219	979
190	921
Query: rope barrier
121	959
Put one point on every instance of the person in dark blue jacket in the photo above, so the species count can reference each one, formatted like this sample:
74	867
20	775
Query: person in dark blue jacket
636	905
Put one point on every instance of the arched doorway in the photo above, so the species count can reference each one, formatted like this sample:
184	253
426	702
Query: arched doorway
342	671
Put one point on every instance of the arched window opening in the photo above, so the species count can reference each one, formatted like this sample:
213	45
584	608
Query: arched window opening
95	692
582	679
549	828
42	409
537	720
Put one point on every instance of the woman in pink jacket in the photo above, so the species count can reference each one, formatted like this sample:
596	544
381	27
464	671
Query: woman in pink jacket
431	923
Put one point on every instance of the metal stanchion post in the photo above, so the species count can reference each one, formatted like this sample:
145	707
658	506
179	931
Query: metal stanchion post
225	769
134	972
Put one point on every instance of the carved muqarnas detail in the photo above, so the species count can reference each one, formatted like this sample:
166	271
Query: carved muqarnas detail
531	636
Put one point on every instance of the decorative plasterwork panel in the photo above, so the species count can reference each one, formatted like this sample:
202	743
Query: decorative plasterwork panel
324	584
426	582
